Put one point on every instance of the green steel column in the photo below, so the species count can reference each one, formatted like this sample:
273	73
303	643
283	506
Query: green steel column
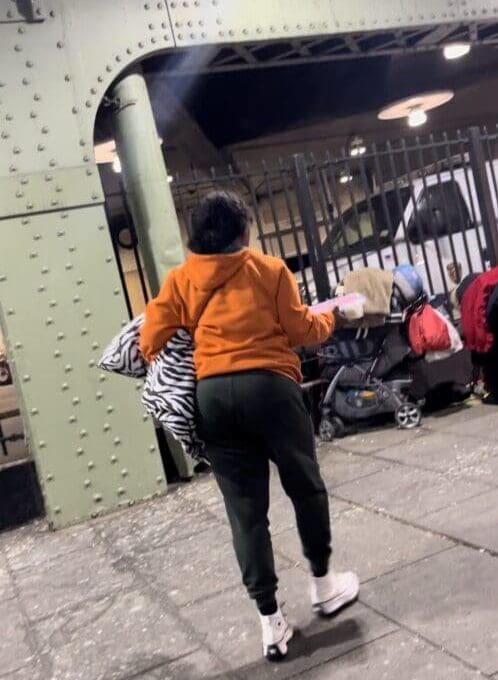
149	195
146	179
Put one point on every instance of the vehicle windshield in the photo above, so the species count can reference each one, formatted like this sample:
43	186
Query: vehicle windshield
368	226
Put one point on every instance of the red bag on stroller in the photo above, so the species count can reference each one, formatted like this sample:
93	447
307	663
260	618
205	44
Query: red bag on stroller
428	331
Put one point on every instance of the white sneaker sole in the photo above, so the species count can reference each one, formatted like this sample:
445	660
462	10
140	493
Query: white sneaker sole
279	651
339	601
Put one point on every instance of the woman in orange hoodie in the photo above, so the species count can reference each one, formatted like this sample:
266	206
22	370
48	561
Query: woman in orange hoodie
245	314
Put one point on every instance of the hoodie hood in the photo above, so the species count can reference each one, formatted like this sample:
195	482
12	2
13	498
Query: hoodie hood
208	272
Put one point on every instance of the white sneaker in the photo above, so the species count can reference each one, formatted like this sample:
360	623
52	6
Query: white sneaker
276	634
333	592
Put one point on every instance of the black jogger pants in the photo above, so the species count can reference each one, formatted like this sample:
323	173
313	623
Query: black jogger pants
246	420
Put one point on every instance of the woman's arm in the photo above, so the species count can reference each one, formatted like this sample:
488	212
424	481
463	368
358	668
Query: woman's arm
162	319
302	327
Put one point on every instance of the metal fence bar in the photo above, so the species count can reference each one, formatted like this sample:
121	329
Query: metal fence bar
468	185
371	212
311	232
255	208
483	191
399	200
416	215
348	175
330	177
324	210
273	209
463	224
446	212
283	174
385	207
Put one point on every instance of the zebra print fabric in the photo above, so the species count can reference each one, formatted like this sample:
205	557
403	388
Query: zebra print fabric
169	386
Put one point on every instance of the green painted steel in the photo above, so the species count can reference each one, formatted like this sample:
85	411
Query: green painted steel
61	302
59	288
146	179
149	195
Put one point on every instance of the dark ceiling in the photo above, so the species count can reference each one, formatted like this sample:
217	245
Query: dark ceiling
232	107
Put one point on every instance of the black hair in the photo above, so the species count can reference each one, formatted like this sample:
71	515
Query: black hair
219	222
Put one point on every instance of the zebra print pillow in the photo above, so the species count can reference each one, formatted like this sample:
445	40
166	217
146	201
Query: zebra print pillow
169	392
123	355
169	387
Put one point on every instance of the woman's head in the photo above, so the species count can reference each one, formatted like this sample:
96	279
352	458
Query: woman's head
219	223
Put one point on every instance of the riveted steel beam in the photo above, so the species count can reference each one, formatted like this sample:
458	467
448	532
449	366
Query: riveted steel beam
14	11
61	302
54	189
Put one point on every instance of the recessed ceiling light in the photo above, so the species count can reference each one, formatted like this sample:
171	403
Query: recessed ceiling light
456	50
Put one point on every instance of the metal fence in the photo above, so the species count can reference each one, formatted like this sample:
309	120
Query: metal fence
429	201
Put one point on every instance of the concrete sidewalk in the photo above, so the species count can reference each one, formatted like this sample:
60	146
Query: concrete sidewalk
154	593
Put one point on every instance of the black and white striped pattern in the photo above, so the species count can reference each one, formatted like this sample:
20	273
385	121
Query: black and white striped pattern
169	388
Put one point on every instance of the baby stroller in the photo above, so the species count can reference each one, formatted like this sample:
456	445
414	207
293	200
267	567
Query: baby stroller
369	376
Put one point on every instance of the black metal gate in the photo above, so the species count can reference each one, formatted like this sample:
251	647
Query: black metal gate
428	201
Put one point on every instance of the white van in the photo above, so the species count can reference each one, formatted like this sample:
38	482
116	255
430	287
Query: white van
435	223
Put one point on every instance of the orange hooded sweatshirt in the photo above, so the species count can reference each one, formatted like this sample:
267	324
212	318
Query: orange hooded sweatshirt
243	310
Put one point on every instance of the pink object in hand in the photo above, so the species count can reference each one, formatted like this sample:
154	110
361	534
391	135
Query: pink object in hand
344	303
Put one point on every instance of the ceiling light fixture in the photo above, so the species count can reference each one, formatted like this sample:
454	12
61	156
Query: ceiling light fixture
414	109
456	50
416	117
345	177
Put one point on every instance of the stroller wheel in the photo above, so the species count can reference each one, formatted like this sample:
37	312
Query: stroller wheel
330	429
408	416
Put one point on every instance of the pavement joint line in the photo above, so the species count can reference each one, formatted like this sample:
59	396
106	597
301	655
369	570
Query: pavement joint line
32	638
421	636
416	466
304	672
400	567
414	525
170	606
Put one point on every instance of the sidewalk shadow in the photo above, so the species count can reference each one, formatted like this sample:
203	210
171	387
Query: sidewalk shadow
347	634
